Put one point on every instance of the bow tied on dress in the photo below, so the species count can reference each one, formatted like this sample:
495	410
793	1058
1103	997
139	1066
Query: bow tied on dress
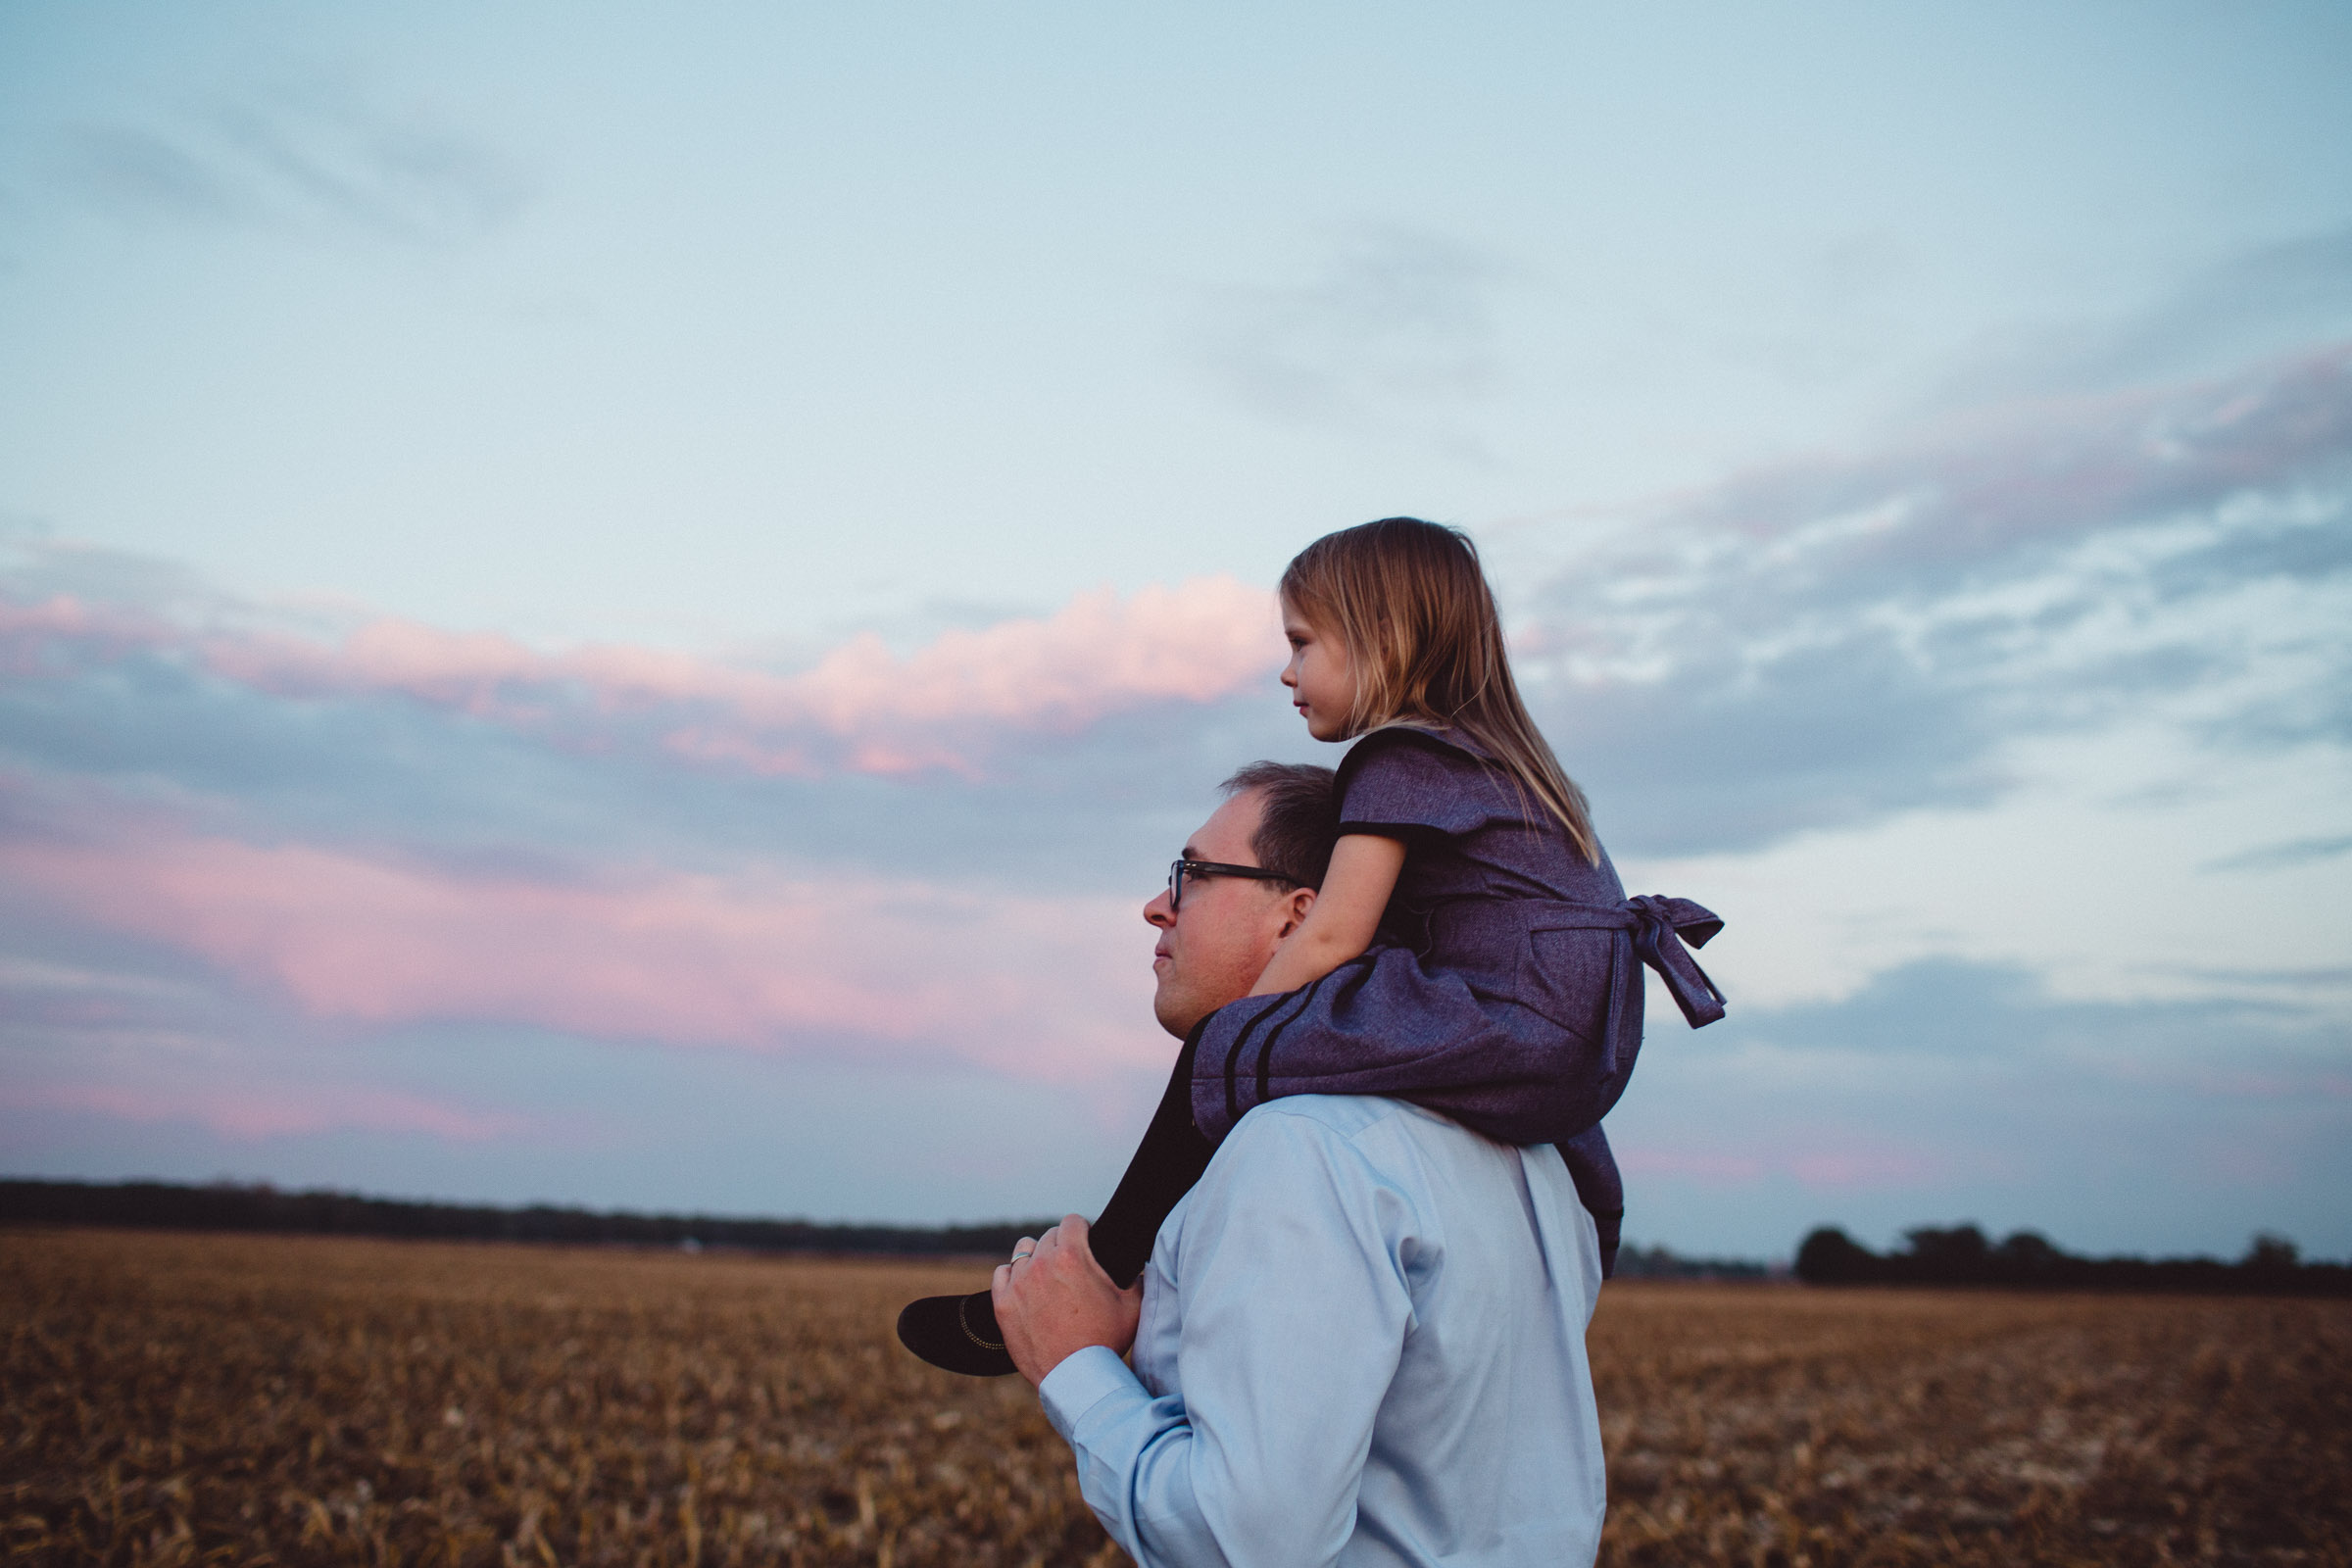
1652	929
1660	928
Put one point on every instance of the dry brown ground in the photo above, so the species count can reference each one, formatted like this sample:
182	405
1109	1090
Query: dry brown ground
183	1399
1764	1425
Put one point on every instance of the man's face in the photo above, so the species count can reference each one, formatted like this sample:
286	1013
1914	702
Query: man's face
1211	950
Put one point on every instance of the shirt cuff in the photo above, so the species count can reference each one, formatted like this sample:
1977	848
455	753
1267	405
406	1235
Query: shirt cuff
1083	1380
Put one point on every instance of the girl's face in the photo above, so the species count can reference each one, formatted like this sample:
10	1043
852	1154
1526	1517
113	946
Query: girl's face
1321	682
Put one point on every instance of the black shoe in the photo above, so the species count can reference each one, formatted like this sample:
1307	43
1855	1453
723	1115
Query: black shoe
957	1332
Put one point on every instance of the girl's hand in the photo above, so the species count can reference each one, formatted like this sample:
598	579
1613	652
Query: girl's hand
1347	913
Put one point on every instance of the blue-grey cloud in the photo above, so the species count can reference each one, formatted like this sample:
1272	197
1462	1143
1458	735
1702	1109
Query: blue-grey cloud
298	158
2266	302
123	1055
129	168
127	1059
1947	1091
1823	645
2276	856
1096	811
1829	642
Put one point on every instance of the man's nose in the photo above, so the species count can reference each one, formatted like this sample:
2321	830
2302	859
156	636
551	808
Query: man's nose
1158	912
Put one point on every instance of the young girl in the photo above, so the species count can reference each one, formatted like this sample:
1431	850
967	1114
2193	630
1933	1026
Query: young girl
1471	949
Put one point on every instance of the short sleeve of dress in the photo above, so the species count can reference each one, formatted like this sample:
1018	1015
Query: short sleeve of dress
1402	783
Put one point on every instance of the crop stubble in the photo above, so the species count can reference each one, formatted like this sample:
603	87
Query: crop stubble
175	1399
1762	1425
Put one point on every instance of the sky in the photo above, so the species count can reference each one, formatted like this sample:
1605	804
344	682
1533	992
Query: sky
624	607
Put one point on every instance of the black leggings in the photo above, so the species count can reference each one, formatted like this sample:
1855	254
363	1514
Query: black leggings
1166	1164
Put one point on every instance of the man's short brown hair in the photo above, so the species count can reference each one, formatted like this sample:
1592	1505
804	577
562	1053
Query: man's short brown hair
1300	821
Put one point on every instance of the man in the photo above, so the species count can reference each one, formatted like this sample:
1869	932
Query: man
1360	1336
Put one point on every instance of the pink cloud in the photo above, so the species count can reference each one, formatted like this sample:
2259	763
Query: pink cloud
251	1114
32	636
1093	656
1034	987
861	707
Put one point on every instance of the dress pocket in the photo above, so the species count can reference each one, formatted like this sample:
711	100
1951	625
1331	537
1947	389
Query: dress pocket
1564	975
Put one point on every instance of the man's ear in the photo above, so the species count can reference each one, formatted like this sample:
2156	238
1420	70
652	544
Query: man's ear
1294	910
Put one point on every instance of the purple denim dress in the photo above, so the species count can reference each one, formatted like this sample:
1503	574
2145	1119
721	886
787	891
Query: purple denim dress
1504	985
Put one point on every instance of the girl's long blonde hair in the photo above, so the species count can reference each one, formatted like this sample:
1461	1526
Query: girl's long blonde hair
1409	603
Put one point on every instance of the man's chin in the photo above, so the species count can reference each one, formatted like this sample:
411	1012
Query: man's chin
1177	1017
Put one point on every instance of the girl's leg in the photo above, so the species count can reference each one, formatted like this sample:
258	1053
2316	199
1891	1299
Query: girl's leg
1166	1164
959	1332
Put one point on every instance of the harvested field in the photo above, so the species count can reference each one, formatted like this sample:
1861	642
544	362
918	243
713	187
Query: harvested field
1784	1425
190	1398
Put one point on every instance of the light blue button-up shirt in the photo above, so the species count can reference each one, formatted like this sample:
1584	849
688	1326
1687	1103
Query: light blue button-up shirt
1362	1341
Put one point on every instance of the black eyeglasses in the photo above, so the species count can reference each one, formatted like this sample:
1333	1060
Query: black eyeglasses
1184	869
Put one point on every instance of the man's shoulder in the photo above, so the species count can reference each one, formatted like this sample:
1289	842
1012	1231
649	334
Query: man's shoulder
1390	1136
1315	1166
1326	1117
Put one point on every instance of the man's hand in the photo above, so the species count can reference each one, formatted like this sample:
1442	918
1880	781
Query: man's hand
1056	1300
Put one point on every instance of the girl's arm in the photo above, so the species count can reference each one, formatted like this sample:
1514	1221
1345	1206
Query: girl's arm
1345	913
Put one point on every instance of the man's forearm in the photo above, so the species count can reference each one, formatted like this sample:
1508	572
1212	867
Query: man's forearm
1111	1422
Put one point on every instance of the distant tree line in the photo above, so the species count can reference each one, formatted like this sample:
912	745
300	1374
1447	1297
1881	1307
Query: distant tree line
1657	1263
1964	1256
164	1205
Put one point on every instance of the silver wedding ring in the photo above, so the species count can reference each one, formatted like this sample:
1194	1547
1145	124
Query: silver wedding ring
1017	1257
